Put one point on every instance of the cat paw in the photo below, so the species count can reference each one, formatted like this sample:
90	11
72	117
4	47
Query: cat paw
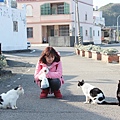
95	103
13	108
86	102
8	107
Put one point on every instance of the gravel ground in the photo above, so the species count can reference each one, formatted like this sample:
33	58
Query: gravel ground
11	69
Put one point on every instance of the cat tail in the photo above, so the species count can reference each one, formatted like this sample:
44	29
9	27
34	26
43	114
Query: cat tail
108	103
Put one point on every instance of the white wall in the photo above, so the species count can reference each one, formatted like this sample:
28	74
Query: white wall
96	38
85	8
98	22
9	39
98	19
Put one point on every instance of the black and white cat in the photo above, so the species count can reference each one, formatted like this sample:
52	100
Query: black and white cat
9	99
118	93
93	94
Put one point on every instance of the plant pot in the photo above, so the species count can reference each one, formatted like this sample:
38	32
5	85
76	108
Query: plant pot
77	51
118	57
82	53
88	54
96	55
110	58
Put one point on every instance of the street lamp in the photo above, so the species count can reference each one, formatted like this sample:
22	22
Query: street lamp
118	28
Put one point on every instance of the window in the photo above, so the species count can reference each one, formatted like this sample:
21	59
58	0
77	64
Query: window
86	32
60	8
81	31
90	32
93	32
45	9
13	3
64	30
15	26
29	10
54	11
63	8
98	33
30	32
86	16
66	8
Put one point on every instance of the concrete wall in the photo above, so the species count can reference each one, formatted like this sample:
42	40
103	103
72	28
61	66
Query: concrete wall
65	41
62	41
9	39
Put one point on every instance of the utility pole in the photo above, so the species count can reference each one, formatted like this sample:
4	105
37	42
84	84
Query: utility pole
118	28
75	23
0	49
79	36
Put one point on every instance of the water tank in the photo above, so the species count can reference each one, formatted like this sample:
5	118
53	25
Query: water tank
1	0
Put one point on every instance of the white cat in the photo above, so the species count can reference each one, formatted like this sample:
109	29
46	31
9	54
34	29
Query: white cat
9	99
43	73
43	79
93	94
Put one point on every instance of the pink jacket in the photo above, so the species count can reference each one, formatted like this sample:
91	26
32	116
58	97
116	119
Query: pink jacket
55	71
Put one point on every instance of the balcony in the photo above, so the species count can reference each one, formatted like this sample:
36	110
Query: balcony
56	18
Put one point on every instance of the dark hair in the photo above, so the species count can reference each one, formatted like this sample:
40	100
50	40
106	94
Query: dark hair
49	51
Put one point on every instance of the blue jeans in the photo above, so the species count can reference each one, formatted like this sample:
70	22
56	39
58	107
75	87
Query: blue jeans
54	84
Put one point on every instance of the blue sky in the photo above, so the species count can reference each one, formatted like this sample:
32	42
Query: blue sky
100	3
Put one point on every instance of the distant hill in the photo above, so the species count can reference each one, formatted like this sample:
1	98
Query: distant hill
110	13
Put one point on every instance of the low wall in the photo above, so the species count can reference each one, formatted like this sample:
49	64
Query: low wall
61	41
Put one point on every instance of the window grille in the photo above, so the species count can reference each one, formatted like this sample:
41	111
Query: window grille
30	32
45	9
62	8
64	30
66	8
15	26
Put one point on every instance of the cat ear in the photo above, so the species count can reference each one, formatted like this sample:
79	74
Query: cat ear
16	88
20	87
82	81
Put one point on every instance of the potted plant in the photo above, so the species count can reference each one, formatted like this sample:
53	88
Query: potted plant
82	50
110	55
3	62
96	52
77	50
88	52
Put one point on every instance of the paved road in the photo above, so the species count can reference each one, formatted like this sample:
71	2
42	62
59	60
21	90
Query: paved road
30	107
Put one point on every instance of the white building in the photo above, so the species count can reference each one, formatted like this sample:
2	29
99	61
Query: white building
98	19
56	19
98	24
12	27
86	19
